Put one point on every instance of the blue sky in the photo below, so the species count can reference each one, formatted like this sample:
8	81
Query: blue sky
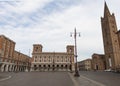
49	22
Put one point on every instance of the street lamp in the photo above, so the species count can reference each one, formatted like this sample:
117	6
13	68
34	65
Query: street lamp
76	69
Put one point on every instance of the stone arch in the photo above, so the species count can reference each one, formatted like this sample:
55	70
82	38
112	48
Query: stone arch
97	67
53	67
49	66
12	68
22	68
70	67
0	67
15	68
35	67
40	67
66	66
44	65
61	66
9	68
4	68
57	66
19	68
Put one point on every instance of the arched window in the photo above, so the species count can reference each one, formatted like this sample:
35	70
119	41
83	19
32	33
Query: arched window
66	66
49	66
44	66
57	66
39	65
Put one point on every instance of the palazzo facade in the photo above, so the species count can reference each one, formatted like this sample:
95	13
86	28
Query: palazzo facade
85	65
11	60
52	61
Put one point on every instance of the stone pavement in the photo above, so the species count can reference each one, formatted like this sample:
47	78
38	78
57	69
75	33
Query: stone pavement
83	81
5	76
77	81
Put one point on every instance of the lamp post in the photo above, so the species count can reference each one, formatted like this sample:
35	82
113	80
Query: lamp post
76	66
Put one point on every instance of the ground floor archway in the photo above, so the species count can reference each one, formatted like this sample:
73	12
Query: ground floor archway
51	67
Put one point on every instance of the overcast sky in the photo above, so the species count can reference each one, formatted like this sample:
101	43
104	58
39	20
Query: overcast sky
49	22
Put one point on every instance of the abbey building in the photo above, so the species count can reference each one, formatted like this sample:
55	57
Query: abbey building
110	60
111	39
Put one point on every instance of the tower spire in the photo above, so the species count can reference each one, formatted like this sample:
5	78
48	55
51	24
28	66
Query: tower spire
106	10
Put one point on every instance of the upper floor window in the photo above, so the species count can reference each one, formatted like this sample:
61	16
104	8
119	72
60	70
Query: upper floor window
70	50
35	57
36	48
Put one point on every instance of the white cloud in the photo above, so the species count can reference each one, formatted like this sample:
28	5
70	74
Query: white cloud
25	6
53	30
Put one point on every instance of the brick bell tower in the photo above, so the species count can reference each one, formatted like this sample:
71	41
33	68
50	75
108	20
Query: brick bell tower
110	39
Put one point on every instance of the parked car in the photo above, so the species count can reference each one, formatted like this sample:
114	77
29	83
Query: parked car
108	70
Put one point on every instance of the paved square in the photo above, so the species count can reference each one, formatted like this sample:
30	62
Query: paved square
39	79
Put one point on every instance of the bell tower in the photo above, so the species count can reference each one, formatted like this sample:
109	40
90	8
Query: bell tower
37	48
110	39
70	49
